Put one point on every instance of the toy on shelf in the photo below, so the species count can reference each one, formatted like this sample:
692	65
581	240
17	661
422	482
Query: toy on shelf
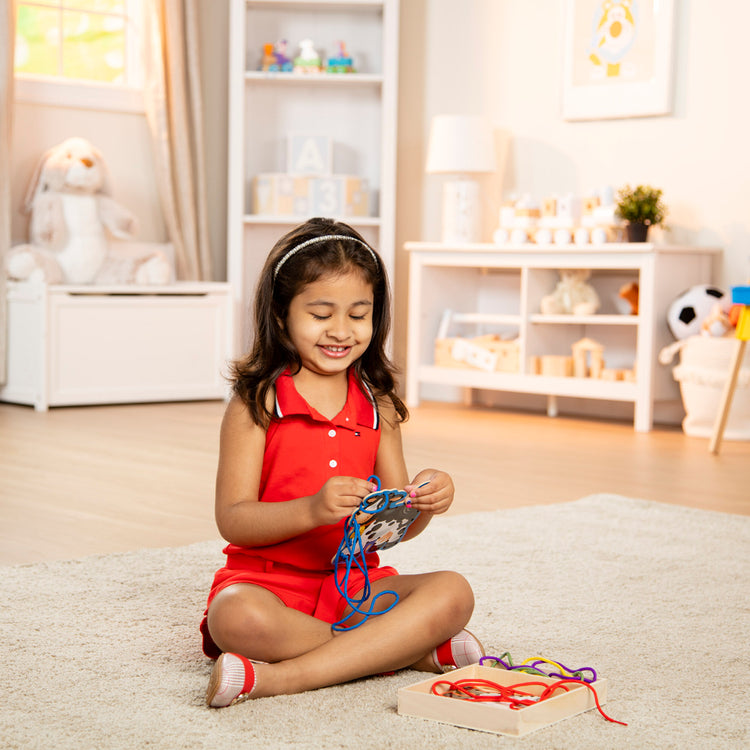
275	58
308	60
572	295
340	62
630	292
75	225
559	219
489	352
308	187
686	314
741	298
552	365
588	358
587	361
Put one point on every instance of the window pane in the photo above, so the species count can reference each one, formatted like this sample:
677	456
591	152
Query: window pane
103	6
53	3
37	41
93	47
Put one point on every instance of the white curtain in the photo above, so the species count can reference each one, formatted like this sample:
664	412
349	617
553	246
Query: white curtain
174	110
7	40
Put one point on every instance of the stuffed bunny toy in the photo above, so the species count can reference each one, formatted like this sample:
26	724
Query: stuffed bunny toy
68	199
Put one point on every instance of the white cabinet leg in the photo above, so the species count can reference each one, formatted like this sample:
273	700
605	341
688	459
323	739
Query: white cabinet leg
552	406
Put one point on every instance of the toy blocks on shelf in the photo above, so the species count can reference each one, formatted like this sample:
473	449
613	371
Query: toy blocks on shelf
559	219
282	194
588	358
309	187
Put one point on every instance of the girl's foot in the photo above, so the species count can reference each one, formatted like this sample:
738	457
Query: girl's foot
460	651
232	681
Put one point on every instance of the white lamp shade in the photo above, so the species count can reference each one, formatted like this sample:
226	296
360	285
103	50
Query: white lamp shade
460	144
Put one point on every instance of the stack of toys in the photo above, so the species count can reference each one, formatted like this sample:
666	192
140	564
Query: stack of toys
560	219
309	187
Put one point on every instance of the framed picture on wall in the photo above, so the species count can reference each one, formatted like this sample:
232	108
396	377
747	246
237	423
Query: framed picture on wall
618	58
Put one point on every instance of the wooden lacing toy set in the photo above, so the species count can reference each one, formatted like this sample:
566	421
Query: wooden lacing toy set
517	696
551	693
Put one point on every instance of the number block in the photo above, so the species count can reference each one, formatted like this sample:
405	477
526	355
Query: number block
281	194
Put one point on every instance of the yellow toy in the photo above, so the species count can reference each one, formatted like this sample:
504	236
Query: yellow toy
741	296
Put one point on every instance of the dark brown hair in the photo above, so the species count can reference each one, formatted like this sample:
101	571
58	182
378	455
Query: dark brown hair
272	351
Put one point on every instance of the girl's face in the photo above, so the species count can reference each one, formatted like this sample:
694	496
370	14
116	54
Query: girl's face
330	322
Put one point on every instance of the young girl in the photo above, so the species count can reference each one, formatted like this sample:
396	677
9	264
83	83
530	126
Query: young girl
313	415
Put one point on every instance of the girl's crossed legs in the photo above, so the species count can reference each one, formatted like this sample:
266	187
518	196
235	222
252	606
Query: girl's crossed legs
303	652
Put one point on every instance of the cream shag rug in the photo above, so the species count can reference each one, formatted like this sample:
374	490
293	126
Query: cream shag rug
104	652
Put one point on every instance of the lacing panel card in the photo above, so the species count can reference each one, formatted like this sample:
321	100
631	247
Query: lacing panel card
380	522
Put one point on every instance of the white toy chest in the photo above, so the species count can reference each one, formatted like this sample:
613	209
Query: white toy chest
75	345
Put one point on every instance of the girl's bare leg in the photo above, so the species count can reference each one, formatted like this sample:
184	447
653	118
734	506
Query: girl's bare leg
432	608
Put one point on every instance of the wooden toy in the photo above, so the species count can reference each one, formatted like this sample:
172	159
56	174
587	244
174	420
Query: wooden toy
581	236
562	219
489	353
418	700
283	194
740	296
268	59
275	58
341	62
309	154
556	366
588	359
308	60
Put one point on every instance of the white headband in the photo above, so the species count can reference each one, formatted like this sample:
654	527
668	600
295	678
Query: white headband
323	238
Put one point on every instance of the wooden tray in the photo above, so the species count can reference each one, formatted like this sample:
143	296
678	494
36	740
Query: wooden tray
417	700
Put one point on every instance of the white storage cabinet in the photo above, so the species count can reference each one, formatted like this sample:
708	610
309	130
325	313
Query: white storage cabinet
75	345
504	285
356	110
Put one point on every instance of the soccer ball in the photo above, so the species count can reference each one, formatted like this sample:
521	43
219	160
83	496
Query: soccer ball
688	311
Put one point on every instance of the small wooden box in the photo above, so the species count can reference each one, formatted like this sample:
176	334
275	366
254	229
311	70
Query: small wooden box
417	700
488	353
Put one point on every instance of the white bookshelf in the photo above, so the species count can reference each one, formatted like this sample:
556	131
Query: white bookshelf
501	287
357	110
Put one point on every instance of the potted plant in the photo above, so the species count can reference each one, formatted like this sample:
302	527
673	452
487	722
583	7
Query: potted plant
641	207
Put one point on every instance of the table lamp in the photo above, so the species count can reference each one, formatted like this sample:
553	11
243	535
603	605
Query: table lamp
461	146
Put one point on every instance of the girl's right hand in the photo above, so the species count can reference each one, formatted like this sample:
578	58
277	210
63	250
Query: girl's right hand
338	498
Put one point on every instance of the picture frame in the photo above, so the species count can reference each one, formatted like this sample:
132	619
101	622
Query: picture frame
618	59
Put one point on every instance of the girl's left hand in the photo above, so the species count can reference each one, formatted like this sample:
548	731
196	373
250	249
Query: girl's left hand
431	491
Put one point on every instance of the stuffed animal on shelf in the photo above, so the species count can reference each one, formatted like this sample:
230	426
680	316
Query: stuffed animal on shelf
572	295
71	211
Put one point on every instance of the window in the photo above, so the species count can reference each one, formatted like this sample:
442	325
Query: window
84	53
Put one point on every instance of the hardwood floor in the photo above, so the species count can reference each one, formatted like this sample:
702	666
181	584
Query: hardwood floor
91	480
